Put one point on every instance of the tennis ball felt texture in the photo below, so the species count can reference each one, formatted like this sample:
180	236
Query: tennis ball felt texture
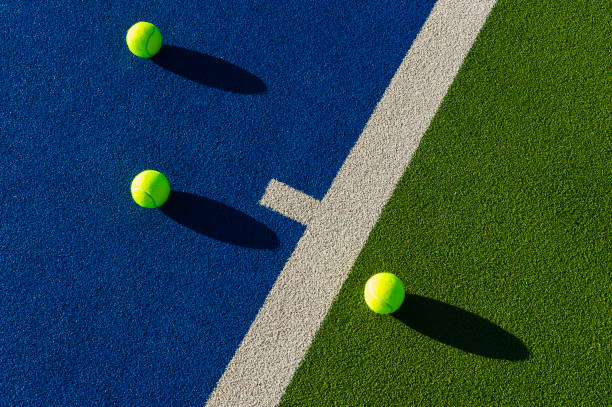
384	293
150	189
143	39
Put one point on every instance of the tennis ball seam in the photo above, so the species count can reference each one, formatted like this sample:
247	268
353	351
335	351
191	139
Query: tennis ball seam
379	299
147	43
148	194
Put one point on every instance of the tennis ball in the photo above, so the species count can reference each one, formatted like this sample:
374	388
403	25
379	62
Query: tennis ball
384	293
150	189
143	39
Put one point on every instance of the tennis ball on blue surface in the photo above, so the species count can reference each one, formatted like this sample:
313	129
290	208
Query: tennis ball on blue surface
384	293
150	189
143	39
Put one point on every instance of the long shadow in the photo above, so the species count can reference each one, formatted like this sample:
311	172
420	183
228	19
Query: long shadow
219	221
460	329
208	70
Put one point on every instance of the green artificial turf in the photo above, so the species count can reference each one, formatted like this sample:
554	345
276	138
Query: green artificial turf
500	230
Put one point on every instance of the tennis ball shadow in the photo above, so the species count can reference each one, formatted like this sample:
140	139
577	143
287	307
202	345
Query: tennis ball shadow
219	221
208	70
460	329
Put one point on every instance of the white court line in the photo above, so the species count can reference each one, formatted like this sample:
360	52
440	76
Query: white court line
286	324
292	203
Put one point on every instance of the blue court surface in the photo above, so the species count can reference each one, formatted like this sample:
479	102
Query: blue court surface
104	302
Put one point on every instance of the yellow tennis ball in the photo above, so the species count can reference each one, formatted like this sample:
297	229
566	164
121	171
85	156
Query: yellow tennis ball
384	293
143	39
150	189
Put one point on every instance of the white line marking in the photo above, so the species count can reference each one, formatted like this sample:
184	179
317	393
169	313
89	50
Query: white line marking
290	202
286	324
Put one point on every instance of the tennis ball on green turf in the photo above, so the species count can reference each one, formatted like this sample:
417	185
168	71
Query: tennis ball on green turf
384	293
150	189
143	39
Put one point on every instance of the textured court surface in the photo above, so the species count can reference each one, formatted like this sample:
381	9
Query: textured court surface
500	230
104	301
499	227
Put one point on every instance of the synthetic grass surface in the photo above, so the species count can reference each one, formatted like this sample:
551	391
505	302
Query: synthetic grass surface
499	230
